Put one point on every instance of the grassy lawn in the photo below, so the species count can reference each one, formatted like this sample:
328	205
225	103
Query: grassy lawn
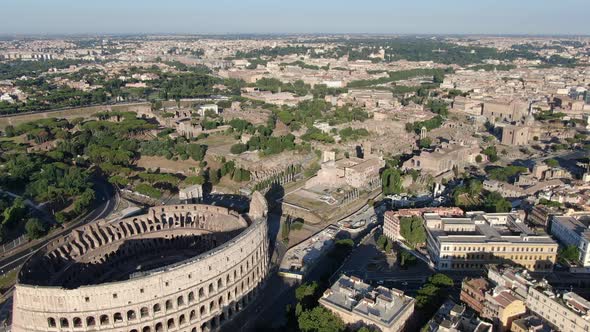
7	280
15	139
467	200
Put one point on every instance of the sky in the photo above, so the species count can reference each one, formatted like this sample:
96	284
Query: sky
570	17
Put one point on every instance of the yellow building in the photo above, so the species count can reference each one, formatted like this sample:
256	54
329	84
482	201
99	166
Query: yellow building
479	238
503	307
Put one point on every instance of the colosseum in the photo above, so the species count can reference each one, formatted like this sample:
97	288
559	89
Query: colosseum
177	268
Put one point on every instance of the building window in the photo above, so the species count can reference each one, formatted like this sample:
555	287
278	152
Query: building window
191	297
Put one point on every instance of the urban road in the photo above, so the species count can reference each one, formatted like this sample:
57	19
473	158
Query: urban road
277	292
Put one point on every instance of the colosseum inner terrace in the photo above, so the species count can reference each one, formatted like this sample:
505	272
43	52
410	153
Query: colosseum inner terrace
177	268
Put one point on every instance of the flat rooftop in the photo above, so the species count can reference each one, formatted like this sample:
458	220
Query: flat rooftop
382	305
573	224
483	227
307	252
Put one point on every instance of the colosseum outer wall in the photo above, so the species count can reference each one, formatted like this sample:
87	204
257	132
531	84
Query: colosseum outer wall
192	296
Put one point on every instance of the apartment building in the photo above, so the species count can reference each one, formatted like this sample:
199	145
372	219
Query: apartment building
359	304
473	293
500	297
568	312
502	307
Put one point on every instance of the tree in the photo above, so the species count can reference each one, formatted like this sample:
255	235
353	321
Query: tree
382	242
494	202
441	280
35	228
119	181
84	200
228	168
391	179
9	131
241	175
406	259
320	319
196	151
286	117
438	106
214	176
412	229
285	230
307	294
425	142
238	148
196	179
14	213
568	254
505	173
433	292
146	189
552	162
61	217
491	153
388	246
365	329
156	105
312	169
474	187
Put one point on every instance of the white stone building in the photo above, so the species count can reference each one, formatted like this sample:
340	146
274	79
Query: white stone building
573	232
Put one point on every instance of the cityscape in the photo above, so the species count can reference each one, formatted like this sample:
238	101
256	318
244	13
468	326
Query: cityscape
233	173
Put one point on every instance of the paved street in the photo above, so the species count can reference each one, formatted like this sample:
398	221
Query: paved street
280	292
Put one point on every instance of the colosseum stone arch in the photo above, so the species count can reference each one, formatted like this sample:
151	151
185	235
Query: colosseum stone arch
177	268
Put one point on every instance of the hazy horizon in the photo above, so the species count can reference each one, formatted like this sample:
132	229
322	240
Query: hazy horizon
428	17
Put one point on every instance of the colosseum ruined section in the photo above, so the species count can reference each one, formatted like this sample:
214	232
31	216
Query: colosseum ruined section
177	268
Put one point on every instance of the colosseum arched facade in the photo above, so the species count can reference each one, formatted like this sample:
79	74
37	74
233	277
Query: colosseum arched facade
106	276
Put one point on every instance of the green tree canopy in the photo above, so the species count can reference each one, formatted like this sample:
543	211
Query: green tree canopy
320	319
412	229
391	181
35	228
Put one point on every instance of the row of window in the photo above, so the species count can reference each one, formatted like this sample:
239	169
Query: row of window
171	324
250	262
488	256
144	312
538	266
497	249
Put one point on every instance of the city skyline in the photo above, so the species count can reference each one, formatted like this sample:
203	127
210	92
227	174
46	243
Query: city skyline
263	16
